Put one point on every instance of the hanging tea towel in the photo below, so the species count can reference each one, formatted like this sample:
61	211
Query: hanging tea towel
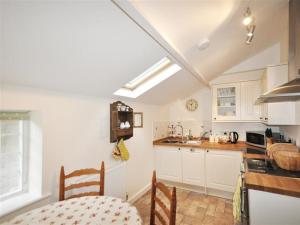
237	201
123	150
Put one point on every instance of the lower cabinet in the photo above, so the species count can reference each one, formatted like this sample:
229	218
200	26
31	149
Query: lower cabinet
217	169
168	163
193	169
271	208
222	169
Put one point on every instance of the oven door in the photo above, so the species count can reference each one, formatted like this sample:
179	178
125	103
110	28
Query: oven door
244	203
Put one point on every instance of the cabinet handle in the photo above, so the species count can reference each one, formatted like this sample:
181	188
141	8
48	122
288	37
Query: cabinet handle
260	118
207	150
215	118
192	150
266	118
179	149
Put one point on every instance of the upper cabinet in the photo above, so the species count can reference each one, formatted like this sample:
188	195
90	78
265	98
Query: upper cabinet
226	102
250	91
279	113
235	101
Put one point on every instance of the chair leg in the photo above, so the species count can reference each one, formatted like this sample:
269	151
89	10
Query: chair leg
173	207
153	194
102	177
62	184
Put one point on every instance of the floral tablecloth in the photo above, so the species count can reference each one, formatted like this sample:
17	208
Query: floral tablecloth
93	210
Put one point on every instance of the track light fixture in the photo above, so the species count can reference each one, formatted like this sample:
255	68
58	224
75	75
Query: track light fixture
248	21
248	17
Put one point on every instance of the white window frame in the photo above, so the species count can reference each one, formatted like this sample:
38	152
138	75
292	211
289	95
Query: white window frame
23	134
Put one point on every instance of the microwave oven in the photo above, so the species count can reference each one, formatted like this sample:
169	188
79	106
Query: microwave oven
256	138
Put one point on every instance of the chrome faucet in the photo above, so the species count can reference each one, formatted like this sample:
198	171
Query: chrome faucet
203	135
179	125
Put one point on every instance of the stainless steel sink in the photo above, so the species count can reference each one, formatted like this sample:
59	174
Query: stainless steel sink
181	142
193	142
171	141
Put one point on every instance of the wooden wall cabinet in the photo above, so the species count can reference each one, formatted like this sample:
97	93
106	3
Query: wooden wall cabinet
120	113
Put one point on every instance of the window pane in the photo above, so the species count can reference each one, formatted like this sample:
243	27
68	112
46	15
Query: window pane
11	157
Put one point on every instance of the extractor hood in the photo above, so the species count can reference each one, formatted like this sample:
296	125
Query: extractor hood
289	91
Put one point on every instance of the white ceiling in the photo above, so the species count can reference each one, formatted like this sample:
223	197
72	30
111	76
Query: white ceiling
93	48
184	23
85	47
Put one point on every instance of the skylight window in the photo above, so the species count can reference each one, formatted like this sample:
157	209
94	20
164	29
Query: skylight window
148	79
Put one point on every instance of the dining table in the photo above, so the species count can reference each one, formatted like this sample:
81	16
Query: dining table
89	210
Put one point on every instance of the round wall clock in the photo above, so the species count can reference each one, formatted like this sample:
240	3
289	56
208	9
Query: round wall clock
191	104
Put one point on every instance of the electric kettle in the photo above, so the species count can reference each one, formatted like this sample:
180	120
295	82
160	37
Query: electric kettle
233	137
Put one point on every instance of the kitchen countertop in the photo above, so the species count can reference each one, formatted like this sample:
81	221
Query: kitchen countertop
271	183
240	146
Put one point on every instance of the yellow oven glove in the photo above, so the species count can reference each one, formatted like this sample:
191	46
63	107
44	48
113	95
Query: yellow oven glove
123	150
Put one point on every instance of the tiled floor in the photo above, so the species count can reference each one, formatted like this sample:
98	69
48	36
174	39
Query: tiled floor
193	209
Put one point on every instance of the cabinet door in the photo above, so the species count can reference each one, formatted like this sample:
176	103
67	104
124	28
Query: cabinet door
226	102
222	169
168	163
280	113
264	106
250	91
193	169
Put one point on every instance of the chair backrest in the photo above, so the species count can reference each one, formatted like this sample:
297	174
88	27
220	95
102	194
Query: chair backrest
77	173
170	212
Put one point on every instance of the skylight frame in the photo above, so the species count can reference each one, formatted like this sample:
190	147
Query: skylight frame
150	72
154	75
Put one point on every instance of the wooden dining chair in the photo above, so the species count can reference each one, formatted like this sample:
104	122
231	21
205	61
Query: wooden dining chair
170	212
78	173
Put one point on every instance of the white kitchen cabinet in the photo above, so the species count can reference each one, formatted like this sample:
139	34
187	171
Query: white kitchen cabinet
236	101
193	169
217	169
222	169
279	113
269	208
226	102
250	91
168	163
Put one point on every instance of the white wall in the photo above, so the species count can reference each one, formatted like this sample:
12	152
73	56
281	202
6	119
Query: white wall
269	56
240	76
178	111
196	121
293	132
76	135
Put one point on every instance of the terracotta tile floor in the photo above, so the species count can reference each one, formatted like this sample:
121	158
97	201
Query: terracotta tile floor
192	209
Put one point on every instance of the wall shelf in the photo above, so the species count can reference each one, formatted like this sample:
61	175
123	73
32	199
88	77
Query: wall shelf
117	116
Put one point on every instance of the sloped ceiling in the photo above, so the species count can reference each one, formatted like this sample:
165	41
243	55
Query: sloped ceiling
93	48
85	47
184	23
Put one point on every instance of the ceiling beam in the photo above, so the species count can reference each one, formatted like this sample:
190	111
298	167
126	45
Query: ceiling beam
130	11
